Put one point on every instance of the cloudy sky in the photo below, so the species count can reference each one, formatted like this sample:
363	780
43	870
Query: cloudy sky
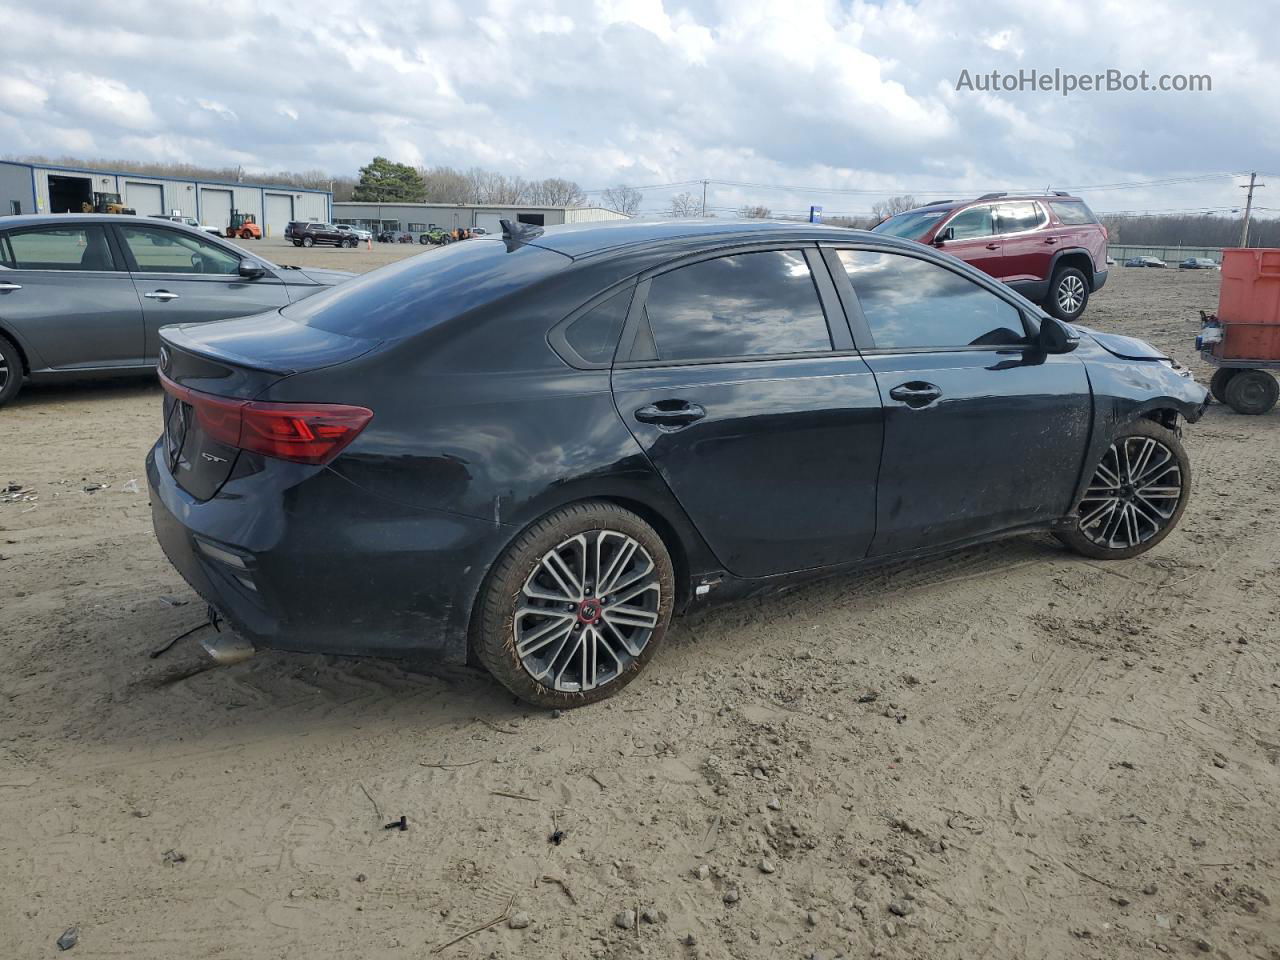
840	102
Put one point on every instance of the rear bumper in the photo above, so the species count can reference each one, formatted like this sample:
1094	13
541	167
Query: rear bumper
299	559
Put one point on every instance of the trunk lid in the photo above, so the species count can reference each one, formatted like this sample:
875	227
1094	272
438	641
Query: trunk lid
231	360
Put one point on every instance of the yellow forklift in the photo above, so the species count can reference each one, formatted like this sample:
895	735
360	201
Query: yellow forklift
107	203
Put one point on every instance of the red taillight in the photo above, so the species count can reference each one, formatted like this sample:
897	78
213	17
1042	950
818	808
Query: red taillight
301	432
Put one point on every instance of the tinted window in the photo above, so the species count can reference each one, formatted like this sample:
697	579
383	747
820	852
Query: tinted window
913	303
1073	211
740	306
1016	217
594	335
174	251
419	292
974	222
61	248
911	225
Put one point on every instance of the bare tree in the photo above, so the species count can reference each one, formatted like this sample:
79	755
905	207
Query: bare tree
750	212
556	192
892	207
446	185
623	199
685	205
490	187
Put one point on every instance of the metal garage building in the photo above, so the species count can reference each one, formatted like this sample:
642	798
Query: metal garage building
417	218
48	188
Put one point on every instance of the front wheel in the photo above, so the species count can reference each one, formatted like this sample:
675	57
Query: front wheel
1068	294
1252	392
308	241
576	606
1136	495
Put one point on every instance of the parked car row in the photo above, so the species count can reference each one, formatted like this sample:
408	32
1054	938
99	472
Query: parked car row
1191	263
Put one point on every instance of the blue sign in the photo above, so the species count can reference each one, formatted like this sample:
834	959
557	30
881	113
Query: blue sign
815	214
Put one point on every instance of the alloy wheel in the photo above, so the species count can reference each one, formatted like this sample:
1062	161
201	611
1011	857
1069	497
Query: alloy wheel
587	611
1134	493
4	372
1071	293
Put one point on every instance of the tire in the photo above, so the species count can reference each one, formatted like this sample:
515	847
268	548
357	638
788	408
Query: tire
1218	382
11	371
308	241
1252	392
297	243
423	240
548	567
1068	293
1143	521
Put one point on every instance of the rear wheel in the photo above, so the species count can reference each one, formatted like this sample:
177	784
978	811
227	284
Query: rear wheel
1252	392
308	241
1068	293
1218	382
576	606
1136	495
297	243
10	371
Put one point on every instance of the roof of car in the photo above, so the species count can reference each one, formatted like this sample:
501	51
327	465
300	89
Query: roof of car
45	219
944	205
587	239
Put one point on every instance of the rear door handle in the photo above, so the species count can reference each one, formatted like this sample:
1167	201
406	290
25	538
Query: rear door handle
163	296
916	394
1050	239
993	246
6	287
671	414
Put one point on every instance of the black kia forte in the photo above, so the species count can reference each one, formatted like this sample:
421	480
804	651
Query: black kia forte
531	451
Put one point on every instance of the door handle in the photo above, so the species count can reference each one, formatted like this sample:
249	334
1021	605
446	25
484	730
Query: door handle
1050	239
916	394
993	246
164	296
671	414
6	287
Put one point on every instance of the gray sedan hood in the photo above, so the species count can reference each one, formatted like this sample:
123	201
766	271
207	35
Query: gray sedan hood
1126	348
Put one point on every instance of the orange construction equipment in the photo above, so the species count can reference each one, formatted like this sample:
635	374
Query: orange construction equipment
244	226
1243	339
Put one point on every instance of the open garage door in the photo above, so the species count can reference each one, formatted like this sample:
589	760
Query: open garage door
68	194
278	213
215	208
147	199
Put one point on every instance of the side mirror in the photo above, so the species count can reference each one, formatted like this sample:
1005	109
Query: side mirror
1056	336
944	235
252	269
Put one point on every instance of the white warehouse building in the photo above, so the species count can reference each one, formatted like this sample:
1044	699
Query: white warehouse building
49	188
418	218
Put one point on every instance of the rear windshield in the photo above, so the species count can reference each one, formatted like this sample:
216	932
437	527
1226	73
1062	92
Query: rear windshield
1073	211
911	225
414	294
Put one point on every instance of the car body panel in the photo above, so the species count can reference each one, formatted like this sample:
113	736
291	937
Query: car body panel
67	320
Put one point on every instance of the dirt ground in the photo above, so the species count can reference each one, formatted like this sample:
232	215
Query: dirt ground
1007	752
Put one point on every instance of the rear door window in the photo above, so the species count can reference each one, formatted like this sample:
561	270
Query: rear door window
745	305
1019	217
80	247
913	304
974	222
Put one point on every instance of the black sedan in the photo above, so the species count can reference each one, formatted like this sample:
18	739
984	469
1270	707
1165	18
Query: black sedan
531	451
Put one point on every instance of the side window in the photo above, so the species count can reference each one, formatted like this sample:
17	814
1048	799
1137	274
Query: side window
914	303
173	251
749	304
974	222
1016	217
594	335
61	248
1073	212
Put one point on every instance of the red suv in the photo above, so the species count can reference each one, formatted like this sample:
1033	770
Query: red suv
1050	248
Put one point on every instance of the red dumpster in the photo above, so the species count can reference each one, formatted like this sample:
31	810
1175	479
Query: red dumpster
1243	340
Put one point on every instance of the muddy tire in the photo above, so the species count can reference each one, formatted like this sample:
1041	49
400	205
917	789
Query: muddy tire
1136	495
1218	382
11	371
575	606
1252	392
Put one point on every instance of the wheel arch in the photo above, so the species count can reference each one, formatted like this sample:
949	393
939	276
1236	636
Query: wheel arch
23	356
1077	257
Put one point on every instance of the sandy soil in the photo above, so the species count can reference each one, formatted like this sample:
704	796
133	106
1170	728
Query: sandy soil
1025	753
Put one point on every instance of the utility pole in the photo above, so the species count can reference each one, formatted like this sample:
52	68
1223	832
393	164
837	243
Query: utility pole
704	200
1248	207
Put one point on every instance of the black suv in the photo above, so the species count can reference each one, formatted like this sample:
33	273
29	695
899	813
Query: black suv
308	234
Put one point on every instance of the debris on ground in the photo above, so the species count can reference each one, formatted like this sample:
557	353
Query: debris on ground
70	937
172	856
401	824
